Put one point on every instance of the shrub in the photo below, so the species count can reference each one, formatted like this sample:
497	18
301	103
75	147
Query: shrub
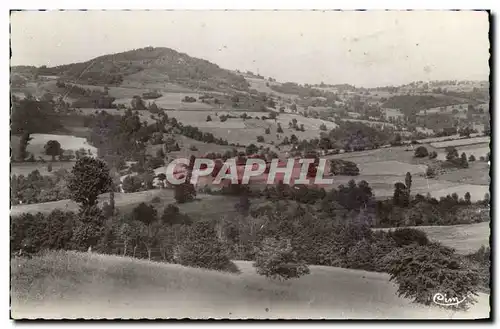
421	152
472	158
433	155
343	167
360	256
430	172
276	259
184	192
201	248
421	272
260	139
49	167
156	199
131	184
406	236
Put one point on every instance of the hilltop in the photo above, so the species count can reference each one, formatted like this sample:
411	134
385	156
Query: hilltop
145	65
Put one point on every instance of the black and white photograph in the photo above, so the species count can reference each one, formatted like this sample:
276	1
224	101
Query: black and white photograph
250	164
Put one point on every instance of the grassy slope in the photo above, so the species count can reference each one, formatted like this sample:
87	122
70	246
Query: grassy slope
465	238
76	285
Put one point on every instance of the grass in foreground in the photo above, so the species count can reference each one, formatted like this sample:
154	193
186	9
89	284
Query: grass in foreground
80	285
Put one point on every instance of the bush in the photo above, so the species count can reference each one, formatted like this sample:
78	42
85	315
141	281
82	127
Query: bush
433	155
421	152
360	256
430	172
421	272
276	259
406	236
131	184
201	248
343	167
184	192
156	199
260	139
472	158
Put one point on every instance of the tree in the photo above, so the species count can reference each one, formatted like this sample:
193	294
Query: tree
184	192
89	178
302	127
421	152
137	103
400	197
201	248
153	108
408	183
463	160
267	131
397	140
162	177
53	148
293	107
279	130
472	158
276	259
89	228
451	153
251	149
131	184
23	144
467	197
260	139
147	215
486	199
209	118
172	216
444	274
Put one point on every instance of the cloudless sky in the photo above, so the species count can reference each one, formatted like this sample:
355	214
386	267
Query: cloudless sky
370	48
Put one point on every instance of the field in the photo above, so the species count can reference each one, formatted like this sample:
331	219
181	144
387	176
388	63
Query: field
478	150
384	167
372	123
171	101
462	142
464	238
245	132
36	145
82	285
25	168
205	205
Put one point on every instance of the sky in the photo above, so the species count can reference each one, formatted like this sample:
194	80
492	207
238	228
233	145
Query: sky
363	48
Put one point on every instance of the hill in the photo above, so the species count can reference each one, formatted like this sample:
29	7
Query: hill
81	285
158	64
411	104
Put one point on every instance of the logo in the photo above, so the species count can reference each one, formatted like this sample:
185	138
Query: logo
443	300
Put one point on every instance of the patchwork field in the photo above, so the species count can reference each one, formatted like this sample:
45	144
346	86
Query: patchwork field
81	285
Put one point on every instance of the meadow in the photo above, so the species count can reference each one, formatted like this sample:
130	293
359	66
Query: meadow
205	205
465	239
70	285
